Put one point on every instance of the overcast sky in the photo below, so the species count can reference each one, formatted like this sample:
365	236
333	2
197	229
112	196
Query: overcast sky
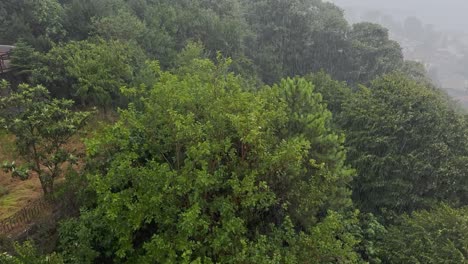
444	14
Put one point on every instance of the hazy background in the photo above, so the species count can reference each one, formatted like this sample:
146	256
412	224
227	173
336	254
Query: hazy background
433	32
449	15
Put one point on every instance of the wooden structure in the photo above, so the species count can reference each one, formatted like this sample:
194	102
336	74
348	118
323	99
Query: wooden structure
5	64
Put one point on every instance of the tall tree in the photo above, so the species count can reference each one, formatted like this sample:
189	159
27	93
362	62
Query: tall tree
408	145
123	26
38	22
375	54
79	15
220	175
42	127
296	37
90	72
171	24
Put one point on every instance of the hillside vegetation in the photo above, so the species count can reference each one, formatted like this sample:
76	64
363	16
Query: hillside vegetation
268	131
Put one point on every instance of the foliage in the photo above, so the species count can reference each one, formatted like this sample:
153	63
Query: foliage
42	127
370	232
436	236
416	71
26	253
123	26
207	166
90	72
375	53
24	58
38	22
221	175
49	13
285	38
171	24
80	14
333	92
408	145
299	37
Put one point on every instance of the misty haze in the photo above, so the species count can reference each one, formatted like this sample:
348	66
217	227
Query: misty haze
446	15
433	32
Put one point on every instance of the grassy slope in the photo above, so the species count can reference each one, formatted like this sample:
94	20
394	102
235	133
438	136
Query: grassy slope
14	193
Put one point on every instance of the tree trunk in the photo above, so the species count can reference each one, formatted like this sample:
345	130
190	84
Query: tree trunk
47	184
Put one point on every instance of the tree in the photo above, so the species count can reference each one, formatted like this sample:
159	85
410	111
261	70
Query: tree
42	127
334	93
38	22
49	16
296	38
25	59
439	235
222	174
170	25
79	15
89	72
123	26
408	145
417	71
375	54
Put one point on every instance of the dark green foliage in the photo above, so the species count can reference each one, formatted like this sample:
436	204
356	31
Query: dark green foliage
408	145
293	37
436	236
25	59
299	37
374	53
80	14
171	24
282	38
334	93
39	22
370	233
123	26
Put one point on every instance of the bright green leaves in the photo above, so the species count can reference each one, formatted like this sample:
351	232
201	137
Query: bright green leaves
21	172
90	72
330	240
322	163
26	253
42	126
202	170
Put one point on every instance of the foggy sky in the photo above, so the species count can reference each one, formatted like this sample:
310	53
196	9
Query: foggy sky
451	15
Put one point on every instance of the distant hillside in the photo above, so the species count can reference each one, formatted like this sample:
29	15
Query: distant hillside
444	53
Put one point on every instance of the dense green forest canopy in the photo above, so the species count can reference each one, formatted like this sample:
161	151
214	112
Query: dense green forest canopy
268	131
